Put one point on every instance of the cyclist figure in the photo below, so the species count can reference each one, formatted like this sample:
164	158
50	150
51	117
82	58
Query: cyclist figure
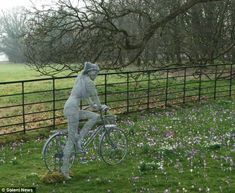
84	88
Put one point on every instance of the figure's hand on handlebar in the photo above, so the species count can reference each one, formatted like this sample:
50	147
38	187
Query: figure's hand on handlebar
104	107
101	107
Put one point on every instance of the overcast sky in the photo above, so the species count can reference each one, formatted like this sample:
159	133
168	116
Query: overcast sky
8	4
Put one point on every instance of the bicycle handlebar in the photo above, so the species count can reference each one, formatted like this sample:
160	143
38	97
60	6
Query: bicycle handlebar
105	109
85	108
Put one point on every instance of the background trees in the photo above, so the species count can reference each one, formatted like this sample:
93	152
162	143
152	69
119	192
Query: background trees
144	33
12	28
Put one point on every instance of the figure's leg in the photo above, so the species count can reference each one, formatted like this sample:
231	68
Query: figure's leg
92	119
73	122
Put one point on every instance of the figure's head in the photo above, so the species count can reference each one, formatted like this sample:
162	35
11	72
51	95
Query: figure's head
91	70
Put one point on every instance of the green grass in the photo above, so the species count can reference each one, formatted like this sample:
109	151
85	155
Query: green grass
12	72
188	149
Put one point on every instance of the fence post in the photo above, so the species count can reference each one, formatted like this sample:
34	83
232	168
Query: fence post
215	84
53	98
23	106
127	92
200	84
166	91
148	99
81	105
230	86
105	89
184	89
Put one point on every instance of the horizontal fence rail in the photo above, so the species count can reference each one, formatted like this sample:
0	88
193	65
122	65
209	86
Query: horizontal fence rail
38	104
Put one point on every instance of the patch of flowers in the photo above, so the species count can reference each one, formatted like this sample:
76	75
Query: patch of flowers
150	166
194	142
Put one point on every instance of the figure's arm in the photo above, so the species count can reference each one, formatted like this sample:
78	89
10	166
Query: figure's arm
93	99
93	103
96	103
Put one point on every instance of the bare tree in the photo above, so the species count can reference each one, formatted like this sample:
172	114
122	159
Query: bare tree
203	35
113	33
210	32
12	26
232	31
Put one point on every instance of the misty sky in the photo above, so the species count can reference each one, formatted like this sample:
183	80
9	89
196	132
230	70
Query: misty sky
8	4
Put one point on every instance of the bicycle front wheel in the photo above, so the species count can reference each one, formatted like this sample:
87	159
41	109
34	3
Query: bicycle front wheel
53	152
113	146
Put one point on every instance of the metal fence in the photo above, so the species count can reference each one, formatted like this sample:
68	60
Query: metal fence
38	104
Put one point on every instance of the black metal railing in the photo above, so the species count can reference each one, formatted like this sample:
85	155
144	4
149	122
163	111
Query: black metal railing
37	104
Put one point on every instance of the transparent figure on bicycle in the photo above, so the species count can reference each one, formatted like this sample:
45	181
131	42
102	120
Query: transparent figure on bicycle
83	89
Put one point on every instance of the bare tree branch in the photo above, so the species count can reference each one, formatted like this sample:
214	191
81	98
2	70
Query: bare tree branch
113	33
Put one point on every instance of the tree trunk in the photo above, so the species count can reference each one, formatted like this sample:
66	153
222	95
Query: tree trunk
233	30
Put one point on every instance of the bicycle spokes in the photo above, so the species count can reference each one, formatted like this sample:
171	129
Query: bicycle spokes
53	152
113	146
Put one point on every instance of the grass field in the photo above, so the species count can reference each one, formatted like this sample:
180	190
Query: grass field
189	149
38	95
11	72
184	149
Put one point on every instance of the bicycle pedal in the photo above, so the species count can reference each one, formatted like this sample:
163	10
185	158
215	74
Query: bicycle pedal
81	151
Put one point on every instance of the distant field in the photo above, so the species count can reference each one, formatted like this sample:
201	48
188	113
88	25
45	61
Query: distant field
10	72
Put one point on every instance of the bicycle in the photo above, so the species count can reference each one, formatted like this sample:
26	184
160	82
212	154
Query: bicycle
112	144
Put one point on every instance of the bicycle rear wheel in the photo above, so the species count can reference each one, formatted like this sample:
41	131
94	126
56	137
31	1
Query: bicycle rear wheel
113	146
53	152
